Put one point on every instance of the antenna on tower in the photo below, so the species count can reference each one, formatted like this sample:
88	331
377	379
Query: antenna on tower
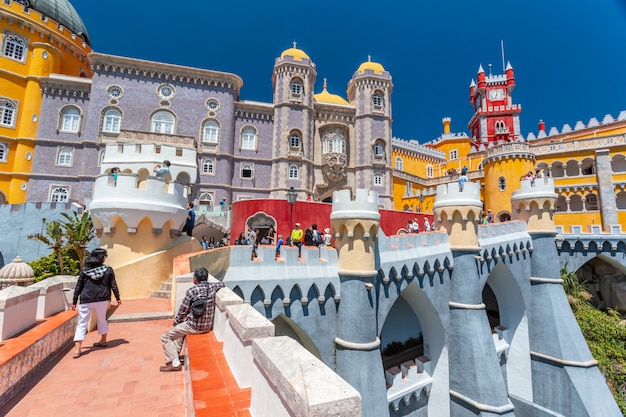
502	47
490	70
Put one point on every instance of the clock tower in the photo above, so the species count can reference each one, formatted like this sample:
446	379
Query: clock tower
496	118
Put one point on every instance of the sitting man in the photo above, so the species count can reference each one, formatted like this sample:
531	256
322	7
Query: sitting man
189	320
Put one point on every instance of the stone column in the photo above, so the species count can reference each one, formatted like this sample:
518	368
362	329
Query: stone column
355	224
477	386
606	189
565	376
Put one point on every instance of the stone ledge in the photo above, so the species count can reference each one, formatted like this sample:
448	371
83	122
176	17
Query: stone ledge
22	356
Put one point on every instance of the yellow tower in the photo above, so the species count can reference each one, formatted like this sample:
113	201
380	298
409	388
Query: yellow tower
458	213
504	166
38	40
534	203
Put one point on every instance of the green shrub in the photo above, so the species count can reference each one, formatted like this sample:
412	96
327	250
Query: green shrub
48	266
605	333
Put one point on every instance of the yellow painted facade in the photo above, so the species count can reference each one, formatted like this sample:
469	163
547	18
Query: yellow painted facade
47	49
570	158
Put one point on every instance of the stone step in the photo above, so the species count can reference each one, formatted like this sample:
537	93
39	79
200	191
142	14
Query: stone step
166	286
161	294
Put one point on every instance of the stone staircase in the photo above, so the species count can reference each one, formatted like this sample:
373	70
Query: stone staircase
165	291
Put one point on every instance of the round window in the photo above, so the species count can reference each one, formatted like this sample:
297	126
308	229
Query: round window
114	92
212	104
166	91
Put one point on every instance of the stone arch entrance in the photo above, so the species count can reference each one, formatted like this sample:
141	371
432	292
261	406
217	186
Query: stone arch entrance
261	221
605	279
412	315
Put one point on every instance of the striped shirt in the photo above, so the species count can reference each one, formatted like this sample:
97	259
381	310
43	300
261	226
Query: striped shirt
205	290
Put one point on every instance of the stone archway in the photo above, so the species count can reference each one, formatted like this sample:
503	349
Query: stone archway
605	279
261	221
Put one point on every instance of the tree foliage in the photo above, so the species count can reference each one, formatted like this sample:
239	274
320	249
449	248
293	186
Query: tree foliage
68	240
605	333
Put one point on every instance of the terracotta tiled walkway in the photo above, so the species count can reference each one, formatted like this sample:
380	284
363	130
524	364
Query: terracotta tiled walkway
120	380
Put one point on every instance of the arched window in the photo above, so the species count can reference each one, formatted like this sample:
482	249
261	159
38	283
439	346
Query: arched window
4	152
337	144
247	171
8	113
59	194
163	122
399	163
208	167
70	120
296	87
112	121
248	138
379	149
205	201
14	47
101	158
430	171
501	183
294	140
210	131
64	157
378	179
377	100
293	172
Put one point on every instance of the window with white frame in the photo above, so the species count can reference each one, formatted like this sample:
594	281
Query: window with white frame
296	87
378	179
430	171
247	171
70	120
8	113
64	157
205	201
453	154
408	188
59	194
501	183
210	131
163	122
333	141
14	47
377	100
293	172
294	140
379	149
399	163
208	167
248	138
4	152
112	121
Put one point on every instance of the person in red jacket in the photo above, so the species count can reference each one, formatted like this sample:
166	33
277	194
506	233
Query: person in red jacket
94	286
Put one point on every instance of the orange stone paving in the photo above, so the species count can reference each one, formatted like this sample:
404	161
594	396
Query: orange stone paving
215	391
123	379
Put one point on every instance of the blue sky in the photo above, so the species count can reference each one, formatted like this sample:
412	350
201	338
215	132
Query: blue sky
568	57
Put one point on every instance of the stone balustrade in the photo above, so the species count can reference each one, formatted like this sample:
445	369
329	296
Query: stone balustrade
244	325
224	298
289	381
408	381
18	308
52	297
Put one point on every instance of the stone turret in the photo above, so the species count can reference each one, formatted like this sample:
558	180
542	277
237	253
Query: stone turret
355	223
534	203
357	345
458	213
138	217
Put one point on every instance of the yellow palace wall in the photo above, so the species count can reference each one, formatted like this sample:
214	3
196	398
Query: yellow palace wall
50	50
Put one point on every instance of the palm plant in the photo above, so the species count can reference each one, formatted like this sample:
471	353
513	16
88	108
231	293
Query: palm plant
79	232
574	288
54	238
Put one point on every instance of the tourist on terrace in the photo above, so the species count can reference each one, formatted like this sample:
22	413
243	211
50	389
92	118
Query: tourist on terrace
204	243
278	245
190	222
426	224
161	171
194	317
94	286
327	237
296	238
490	218
463	178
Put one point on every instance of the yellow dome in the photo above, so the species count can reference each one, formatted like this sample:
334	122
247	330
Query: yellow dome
369	65
326	97
297	54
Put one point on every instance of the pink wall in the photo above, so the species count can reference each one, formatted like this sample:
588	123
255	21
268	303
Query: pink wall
307	213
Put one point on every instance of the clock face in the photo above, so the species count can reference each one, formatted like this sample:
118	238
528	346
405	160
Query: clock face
497	94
